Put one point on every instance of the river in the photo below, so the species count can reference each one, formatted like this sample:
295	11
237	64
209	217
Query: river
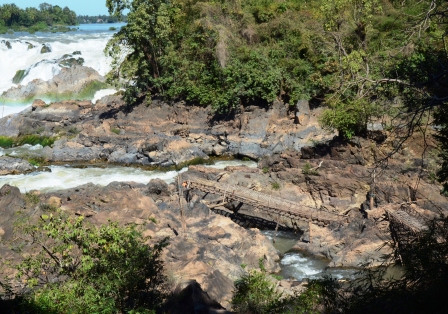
25	54
90	40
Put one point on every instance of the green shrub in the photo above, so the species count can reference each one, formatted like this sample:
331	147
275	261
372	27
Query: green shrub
275	185
6	142
255	292
34	140
75	267
115	130
32	198
308	169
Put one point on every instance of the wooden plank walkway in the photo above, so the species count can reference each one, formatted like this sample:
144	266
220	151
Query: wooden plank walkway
268	203
402	219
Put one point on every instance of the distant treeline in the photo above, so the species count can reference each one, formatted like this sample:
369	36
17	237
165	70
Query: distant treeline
11	16
86	19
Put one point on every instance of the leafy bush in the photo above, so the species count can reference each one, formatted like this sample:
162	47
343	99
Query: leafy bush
255	292
75	267
34	140
6	142
308	169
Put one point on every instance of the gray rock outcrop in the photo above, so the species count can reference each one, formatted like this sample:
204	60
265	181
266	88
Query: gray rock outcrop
69	81
9	165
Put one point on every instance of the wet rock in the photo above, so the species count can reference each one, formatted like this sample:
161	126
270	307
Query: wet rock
9	165
46	48
64	150
69	81
19	76
7	44
69	62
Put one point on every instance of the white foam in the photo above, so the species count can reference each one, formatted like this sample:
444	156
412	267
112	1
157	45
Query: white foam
19	57
62	177
103	92
303	266
8	110
224	163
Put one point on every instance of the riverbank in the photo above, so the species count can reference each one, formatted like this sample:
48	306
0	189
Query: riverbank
331	176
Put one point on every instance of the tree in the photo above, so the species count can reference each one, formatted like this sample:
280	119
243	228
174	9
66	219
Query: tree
420	289
80	268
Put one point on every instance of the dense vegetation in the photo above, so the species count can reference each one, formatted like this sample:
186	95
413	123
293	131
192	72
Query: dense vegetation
363	60
226	53
71	266
33	19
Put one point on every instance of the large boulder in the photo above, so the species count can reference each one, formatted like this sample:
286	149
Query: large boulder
46	48
11	202
10	165
69	81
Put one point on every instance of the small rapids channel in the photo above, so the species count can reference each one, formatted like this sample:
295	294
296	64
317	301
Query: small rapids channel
294	264
300	266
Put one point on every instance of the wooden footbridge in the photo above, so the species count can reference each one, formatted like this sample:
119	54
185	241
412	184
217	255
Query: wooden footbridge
272	205
402	220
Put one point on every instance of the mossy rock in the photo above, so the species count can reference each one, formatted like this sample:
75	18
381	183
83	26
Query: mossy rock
19	76
45	48
69	62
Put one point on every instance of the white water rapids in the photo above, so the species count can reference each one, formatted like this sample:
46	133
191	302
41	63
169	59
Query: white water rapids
25	54
62	177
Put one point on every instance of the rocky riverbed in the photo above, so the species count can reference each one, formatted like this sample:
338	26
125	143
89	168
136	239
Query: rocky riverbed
297	161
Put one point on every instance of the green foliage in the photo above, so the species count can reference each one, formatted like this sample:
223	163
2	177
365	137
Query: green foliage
32	198
255	292
221	54
6	142
308	169
275	185
36	161
115	130
88	19
350	118
76	267
33	140
90	89
33	19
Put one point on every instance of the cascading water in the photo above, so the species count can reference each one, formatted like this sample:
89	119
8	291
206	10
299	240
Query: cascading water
22	52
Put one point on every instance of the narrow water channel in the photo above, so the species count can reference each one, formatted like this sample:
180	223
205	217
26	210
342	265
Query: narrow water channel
299	266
